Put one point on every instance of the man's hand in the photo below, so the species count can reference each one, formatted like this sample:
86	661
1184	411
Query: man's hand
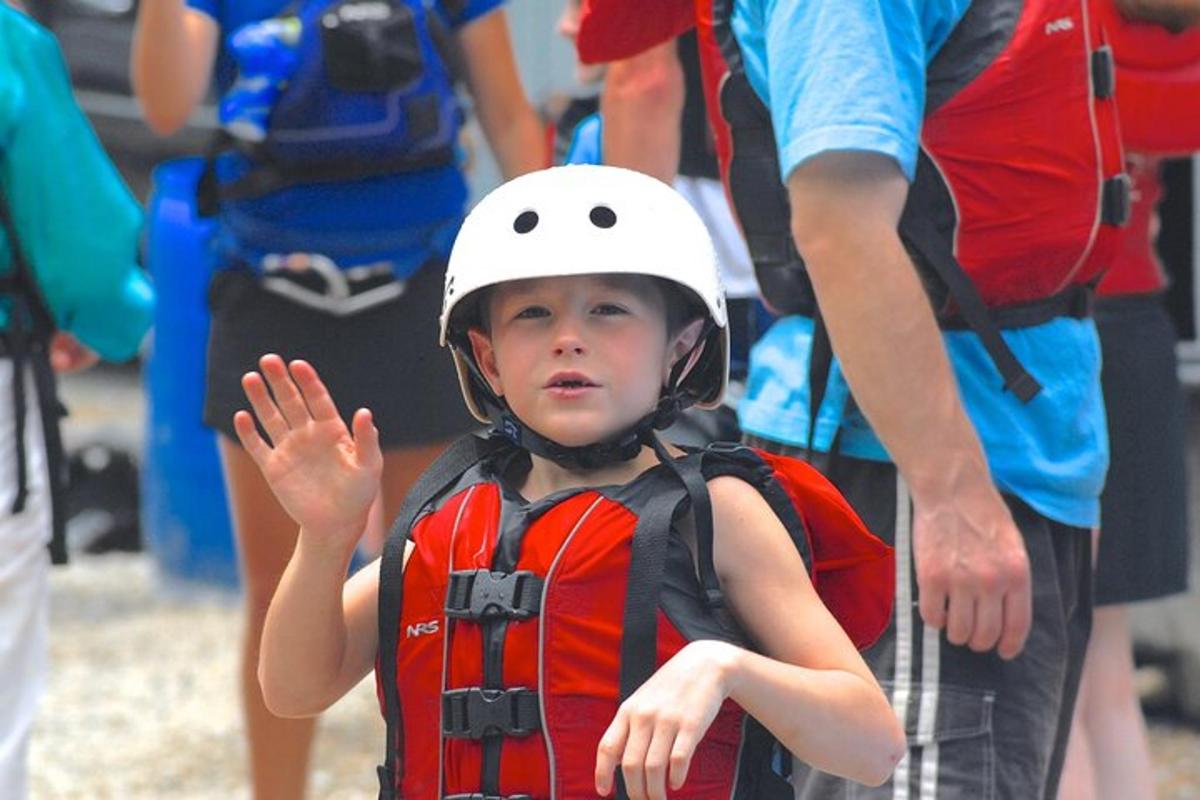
324	476
972	569
68	355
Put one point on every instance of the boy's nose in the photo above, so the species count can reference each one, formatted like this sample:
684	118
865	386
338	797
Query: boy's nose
567	341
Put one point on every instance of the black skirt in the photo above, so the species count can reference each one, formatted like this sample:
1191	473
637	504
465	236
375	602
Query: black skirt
385	358
1143	530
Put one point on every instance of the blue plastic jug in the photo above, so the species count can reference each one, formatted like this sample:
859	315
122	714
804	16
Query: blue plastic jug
184	508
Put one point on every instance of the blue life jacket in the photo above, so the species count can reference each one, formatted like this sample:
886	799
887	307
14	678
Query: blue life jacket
340	90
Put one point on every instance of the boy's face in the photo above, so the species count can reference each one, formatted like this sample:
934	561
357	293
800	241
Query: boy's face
579	359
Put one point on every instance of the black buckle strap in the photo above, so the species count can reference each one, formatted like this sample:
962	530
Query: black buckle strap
481	796
482	594
1116	200
1104	74
476	712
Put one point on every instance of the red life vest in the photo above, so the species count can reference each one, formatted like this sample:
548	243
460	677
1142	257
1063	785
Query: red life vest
1136	268
523	625
1158	83
1158	88
1018	185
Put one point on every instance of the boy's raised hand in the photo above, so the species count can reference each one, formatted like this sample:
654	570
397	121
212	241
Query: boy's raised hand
655	733
325	476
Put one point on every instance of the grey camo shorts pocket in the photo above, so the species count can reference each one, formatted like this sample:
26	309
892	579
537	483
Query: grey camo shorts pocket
951	757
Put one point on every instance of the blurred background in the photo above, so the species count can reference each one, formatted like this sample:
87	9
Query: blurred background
144	648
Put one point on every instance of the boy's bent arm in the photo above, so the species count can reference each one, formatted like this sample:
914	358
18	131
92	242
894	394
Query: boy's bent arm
320	636
811	688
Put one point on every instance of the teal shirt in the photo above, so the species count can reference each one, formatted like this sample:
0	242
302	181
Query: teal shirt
78	224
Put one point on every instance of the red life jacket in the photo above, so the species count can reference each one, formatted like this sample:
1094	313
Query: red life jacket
1018	190
1158	86
523	625
1136	268
1158	83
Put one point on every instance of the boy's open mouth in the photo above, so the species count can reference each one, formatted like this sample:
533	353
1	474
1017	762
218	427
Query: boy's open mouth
569	380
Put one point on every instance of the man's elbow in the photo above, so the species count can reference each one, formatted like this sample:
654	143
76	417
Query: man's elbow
654	86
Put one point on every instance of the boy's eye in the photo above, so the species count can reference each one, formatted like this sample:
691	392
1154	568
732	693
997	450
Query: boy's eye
608	309
532	312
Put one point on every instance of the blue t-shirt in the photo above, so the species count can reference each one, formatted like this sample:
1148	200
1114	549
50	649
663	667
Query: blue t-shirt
406	219
850	75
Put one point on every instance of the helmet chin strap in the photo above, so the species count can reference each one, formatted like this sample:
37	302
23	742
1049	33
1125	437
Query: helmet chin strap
625	446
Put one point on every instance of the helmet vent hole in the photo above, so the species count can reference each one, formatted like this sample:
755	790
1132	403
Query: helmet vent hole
525	222
603	217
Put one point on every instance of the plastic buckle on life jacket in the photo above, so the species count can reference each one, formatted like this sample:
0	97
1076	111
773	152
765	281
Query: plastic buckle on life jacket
482	594
1116	200
479	796
1104	73
476	712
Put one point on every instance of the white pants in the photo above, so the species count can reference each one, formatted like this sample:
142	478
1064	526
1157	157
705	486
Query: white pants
24	587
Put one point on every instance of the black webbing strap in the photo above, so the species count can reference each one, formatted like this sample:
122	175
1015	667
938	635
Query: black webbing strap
820	363
1104	73
440	476
482	796
30	328
918	233
267	175
639	636
690	473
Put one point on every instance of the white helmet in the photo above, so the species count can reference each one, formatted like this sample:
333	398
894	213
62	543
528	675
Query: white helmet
585	220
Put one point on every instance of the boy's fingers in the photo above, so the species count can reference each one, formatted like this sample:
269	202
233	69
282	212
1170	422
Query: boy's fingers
686	740
287	396
316	395
633	761
658	759
366	439
264	407
243	425
608	753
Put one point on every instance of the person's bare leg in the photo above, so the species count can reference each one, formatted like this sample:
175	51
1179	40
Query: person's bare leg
1109	754
1078	776
1116	727
278	748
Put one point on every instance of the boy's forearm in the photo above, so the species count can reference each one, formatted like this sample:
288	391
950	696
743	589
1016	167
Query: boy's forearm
832	719
304	645
1173	14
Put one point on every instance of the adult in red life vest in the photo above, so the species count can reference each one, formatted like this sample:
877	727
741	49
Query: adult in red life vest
1143	544
572	561
915	165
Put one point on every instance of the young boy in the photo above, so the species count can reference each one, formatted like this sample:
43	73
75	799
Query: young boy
583	309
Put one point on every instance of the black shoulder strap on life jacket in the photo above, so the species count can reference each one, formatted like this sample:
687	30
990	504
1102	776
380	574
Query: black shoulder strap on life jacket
639	636
30	327
440	476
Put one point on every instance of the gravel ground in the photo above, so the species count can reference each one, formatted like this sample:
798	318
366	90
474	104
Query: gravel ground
141	702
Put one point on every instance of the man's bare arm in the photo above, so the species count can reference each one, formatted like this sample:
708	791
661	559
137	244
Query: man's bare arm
642	103
972	568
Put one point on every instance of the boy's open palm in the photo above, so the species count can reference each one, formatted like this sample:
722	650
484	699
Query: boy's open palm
324	475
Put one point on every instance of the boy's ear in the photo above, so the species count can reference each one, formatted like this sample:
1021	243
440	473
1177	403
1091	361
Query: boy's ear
683	344
485	358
